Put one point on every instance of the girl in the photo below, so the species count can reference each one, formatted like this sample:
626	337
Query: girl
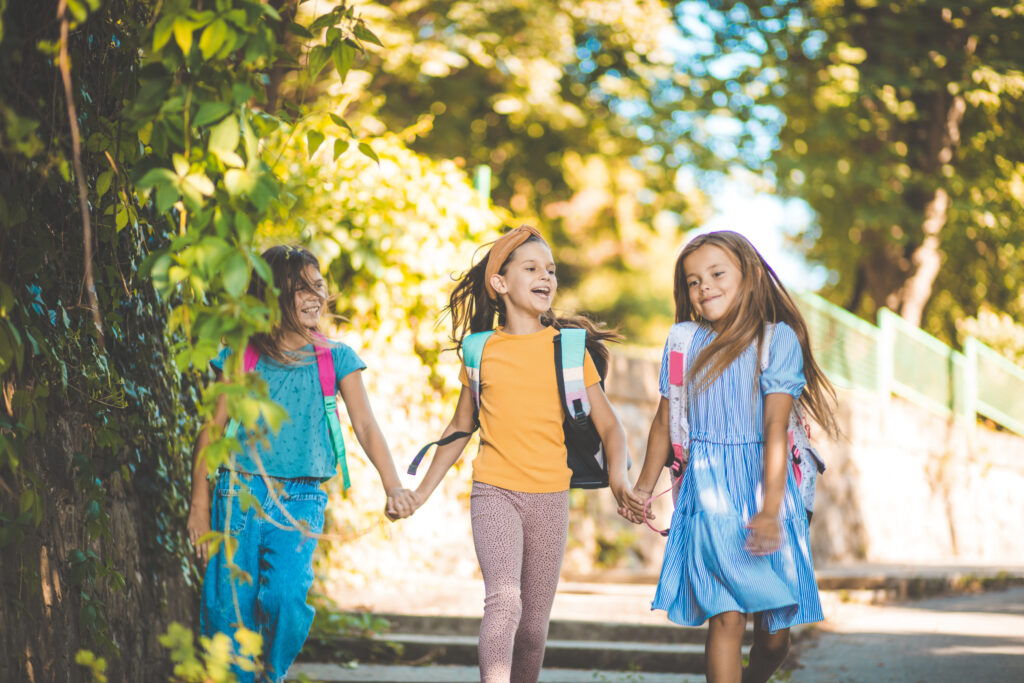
283	472
520	499
737	544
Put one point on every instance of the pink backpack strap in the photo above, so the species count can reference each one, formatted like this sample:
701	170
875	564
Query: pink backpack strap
252	356
325	368
329	388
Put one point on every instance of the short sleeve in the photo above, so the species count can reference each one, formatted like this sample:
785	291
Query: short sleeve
222	357
346	361
663	373
785	371
590	373
463	377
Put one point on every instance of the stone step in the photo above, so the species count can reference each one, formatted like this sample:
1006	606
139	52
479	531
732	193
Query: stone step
559	629
390	673
571	654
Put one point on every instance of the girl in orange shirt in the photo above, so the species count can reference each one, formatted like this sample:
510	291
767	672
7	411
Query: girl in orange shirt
520	499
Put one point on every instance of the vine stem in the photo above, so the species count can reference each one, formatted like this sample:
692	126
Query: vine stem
76	152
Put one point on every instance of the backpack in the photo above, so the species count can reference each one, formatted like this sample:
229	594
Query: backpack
329	387
805	461
585	452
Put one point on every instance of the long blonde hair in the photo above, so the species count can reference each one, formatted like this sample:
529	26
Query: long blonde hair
762	298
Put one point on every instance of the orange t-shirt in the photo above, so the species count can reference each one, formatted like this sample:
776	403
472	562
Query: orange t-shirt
522	447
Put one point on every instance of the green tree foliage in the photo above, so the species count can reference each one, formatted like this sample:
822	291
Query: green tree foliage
901	124
128	215
576	109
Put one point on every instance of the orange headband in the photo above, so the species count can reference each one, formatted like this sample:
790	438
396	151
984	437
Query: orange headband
504	246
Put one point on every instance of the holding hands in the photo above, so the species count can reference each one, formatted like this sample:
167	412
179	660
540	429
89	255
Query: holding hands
631	501
401	503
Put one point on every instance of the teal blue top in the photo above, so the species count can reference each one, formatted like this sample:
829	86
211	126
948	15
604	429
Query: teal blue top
302	447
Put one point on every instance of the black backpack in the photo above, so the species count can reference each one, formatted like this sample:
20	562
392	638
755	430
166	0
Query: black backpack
582	442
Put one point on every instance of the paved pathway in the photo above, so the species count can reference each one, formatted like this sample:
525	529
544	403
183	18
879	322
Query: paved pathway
962	639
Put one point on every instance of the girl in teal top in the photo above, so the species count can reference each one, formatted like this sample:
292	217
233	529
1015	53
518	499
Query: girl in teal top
262	584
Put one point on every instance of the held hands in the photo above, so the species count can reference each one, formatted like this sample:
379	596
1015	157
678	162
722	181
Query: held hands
765	537
634	504
630	502
401	503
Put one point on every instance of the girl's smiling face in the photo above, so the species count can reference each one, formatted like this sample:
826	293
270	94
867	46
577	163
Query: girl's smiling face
310	298
529	282
713	279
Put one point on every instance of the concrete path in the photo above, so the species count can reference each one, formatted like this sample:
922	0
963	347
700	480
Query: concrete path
377	673
959	639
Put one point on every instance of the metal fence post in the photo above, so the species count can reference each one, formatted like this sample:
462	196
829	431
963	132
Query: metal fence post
886	352
969	404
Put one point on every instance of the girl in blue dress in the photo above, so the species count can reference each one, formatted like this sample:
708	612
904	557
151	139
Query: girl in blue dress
738	541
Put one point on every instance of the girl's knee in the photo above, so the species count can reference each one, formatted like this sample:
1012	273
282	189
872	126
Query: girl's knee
733	622
506	600
772	646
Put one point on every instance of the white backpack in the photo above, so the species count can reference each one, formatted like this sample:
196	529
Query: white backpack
806	462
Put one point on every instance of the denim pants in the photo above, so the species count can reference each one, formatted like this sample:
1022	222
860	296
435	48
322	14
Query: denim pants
278	559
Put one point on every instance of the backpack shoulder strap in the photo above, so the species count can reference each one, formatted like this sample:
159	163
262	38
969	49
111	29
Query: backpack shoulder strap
472	354
329	389
680	337
570	353
252	356
766	344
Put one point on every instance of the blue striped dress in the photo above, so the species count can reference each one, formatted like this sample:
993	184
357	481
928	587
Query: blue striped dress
706	570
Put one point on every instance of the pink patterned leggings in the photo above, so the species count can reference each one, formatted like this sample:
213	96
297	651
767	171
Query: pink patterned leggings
520	541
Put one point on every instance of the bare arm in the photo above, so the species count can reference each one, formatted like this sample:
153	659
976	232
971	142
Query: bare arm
765	535
198	524
613	436
368	434
658	448
447	455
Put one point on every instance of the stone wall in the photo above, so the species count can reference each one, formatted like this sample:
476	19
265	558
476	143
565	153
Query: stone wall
903	485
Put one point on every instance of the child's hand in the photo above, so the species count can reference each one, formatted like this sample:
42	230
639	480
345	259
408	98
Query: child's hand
636	503
198	525
401	503
630	505
765	537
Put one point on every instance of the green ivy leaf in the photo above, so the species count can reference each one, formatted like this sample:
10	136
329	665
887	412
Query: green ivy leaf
103	182
235	272
342	122
182	29
314	139
366	34
211	112
340	146
298	30
212	38
318	57
162	32
368	151
343	55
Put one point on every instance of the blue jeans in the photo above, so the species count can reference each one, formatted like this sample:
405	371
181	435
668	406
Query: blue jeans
279	562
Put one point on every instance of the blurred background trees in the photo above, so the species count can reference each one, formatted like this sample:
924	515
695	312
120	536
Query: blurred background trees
394	138
900	125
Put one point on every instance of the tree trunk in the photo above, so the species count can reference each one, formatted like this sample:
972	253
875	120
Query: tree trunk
927	257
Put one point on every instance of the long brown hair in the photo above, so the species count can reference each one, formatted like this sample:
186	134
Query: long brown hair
472	310
287	266
762	298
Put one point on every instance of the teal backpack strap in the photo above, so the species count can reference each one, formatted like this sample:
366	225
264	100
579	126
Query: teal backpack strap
472	353
329	388
573	352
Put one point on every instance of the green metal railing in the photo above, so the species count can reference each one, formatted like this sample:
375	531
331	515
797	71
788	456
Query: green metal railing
896	357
